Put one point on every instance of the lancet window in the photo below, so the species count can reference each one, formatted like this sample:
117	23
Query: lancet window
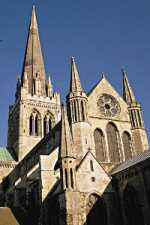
113	142
35	124
48	123
100	146
127	144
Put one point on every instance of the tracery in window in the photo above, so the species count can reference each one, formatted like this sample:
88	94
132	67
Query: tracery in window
100	146
48	122
113	142
126	138
35	123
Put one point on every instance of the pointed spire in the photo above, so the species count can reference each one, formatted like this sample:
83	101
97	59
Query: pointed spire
128	94
75	84
49	86
33	59
66	147
33	23
49	80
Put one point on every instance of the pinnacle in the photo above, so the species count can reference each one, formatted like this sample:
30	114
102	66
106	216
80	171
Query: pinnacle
49	80
128	93
66	138
75	84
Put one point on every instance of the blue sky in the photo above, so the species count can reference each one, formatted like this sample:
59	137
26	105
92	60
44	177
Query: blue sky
102	35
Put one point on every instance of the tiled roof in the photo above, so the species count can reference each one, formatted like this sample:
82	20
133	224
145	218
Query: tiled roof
7	217
5	155
132	161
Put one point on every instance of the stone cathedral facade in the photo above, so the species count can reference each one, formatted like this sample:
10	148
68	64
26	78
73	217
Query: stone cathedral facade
83	163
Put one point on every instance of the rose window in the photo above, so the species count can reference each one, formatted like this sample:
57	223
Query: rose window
108	105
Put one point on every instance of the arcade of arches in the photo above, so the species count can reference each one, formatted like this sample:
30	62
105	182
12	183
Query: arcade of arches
35	124
106	209
114	144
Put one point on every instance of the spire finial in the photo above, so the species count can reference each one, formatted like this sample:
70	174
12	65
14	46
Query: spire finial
49	79
124	71
75	84
128	93
33	24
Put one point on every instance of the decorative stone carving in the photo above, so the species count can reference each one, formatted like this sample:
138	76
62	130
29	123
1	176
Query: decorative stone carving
108	105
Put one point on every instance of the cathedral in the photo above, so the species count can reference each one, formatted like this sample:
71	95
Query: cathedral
86	162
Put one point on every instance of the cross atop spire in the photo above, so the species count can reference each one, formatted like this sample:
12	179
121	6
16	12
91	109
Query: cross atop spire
33	60
75	84
128	94
66	147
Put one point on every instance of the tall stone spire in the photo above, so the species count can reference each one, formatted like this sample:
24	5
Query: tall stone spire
37	106
66	147
128	94
75	84
77	108
76	99
33	67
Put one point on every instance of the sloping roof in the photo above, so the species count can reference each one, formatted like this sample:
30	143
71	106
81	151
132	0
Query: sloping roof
7	217
132	161
5	155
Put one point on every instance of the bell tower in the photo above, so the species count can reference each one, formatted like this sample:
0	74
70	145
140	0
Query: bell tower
37	108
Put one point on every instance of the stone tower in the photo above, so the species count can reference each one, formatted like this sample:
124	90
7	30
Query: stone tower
37	108
77	104
136	116
75	174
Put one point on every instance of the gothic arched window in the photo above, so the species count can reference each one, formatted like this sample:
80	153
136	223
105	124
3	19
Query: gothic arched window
31	124
48	123
82	111
113	142
75	111
100	145
126	138
35	124
45	124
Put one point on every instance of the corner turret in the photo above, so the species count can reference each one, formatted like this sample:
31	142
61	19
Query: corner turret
136	116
